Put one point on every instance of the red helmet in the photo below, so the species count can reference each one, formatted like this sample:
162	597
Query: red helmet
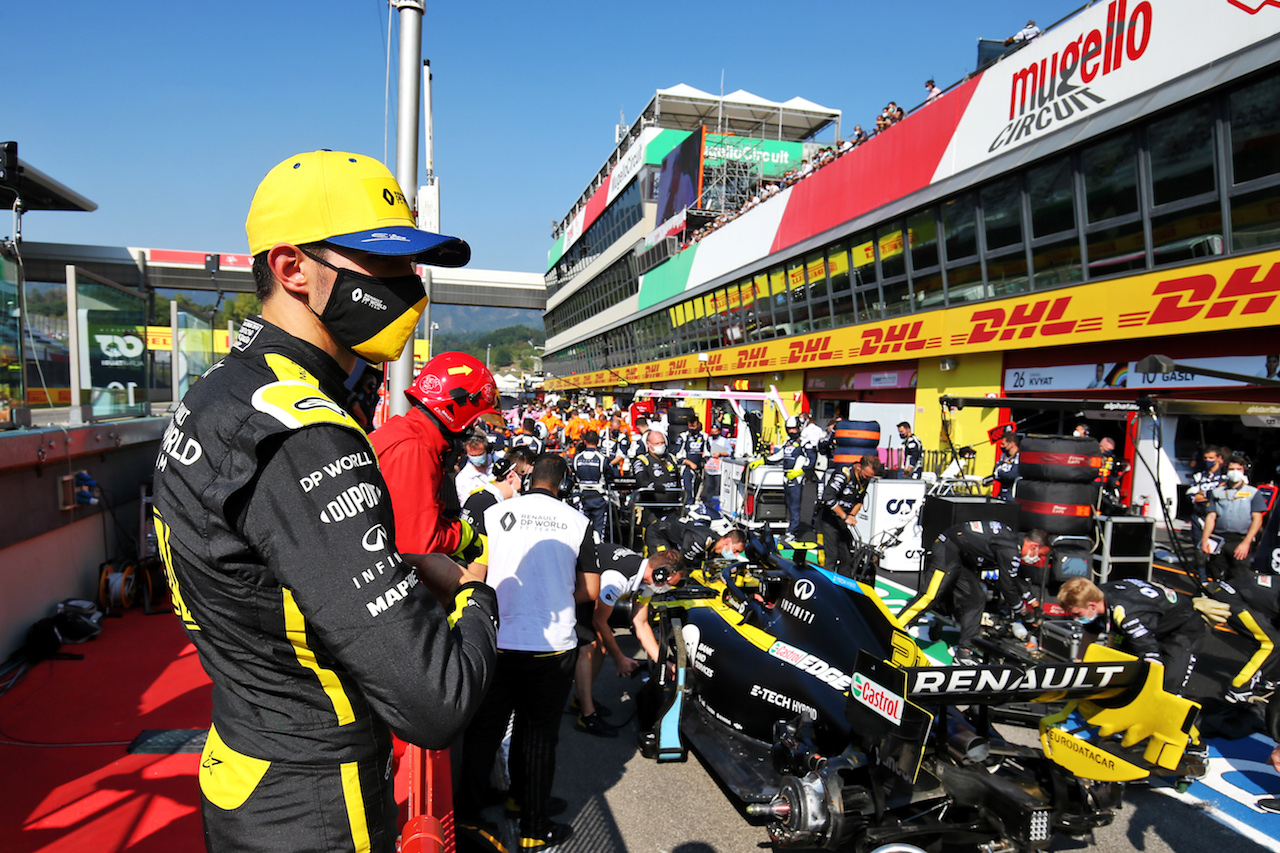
457	389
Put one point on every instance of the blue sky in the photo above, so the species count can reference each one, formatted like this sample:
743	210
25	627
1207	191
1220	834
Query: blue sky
168	114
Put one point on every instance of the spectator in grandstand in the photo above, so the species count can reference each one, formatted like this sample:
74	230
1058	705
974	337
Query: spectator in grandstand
896	113
883	121
933	90
1027	33
859	135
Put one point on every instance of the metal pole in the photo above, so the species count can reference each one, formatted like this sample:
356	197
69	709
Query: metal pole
400	371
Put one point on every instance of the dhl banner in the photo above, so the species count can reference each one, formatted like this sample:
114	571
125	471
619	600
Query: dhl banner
1239	293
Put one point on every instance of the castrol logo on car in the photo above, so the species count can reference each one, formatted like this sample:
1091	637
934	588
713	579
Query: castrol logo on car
877	698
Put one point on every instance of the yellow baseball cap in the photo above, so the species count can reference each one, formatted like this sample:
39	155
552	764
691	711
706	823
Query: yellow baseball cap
345	199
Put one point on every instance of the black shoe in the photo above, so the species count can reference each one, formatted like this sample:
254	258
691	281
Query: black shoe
476	834
593	725
575	708
558	833
1269	804
555	806
965	656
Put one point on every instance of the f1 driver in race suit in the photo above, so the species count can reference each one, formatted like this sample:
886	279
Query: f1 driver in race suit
278	536
956	561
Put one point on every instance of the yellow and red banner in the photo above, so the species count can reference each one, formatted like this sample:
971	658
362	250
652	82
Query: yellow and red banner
1237	293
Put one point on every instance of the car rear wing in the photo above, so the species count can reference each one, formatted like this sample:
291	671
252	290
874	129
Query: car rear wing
1118	725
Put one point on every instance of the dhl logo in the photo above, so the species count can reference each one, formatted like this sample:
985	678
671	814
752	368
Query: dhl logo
1200	297
753	357
893	338
715	362
652	370
1025	320
815	349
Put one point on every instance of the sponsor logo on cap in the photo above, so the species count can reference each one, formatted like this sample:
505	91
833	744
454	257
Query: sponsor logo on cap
382	236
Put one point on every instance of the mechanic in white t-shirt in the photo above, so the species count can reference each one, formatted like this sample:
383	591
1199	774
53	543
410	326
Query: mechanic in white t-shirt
626	576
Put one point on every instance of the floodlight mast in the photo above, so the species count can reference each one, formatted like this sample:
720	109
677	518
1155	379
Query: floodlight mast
400	371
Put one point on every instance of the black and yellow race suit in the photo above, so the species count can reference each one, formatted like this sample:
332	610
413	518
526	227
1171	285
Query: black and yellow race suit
278	538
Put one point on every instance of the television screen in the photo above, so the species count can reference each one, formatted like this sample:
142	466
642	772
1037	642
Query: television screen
680	181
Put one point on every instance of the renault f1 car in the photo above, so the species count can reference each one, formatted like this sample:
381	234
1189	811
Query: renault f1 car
803	695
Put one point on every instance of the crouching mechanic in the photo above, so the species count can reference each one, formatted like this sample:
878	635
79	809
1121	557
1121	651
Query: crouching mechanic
956	561
1146	619
278	538
627	577
694	542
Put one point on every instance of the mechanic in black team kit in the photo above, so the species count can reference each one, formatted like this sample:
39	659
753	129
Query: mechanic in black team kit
1149	620
658	483
957	559
278	539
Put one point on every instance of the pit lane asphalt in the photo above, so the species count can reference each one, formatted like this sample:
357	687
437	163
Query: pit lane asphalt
621	801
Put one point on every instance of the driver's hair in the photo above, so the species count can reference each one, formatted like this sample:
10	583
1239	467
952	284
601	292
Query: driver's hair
264	280
1078	592
736	536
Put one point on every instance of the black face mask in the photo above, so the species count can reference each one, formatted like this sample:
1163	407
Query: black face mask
373	317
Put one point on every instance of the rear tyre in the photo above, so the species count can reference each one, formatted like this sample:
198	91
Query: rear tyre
1060	509
1059	459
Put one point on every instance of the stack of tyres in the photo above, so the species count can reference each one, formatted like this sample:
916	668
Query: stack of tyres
1056	491
678	418
855	439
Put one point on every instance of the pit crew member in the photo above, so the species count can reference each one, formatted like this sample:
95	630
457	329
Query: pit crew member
841	501
591	469
658	486
540	553
625	575
1236	510
691	451
798	459
956	561
1146	619
694	541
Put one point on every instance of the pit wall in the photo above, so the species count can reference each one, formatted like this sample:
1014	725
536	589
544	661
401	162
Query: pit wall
48	553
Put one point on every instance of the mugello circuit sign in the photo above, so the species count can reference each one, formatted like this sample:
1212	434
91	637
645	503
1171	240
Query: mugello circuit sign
1239	293
1107	54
